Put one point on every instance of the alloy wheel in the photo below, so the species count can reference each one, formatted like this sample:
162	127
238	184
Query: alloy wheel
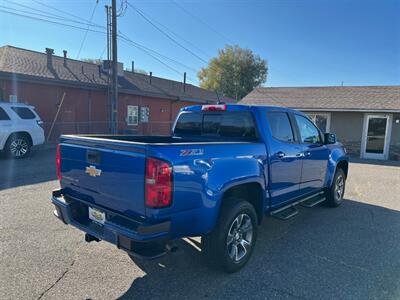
239	239
339	187
19	147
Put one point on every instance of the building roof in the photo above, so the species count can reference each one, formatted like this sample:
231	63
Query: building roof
30	65
344	98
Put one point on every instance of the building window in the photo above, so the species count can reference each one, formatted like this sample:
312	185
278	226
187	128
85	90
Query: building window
144	114
132	117
322	120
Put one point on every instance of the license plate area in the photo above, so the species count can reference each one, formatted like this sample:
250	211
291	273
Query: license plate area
97	216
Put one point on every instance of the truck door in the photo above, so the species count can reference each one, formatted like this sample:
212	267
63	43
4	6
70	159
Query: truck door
285	159
315	156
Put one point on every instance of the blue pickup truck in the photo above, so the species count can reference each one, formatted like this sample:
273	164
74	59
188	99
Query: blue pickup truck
221	171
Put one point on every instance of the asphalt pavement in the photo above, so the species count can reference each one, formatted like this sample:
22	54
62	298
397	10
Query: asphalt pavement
350	252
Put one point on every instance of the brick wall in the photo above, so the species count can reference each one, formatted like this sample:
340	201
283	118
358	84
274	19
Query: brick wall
88	111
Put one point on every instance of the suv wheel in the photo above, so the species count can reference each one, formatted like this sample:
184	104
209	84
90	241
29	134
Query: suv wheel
334	195
18	146
231	243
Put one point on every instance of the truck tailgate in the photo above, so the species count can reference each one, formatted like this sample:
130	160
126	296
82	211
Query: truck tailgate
108	175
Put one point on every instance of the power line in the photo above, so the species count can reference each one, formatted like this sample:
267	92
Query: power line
86	32
50	21
182	38
165	33
59	10
153	56
202	21
49	15
121	36
156	53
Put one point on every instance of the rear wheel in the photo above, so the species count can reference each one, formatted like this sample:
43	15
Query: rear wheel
231	243
18	146
334	196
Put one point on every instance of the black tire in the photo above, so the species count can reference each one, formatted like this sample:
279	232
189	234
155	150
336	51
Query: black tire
334	195
220	251
18	146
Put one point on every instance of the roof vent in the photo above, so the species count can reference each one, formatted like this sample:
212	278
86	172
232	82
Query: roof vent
49	53
65	57
151	76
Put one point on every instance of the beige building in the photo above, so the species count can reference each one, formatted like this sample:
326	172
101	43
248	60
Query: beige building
366	119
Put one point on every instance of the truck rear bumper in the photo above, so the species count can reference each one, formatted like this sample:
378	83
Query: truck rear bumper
138	239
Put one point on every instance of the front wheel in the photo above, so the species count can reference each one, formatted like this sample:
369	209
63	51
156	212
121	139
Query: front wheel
231	243
334	195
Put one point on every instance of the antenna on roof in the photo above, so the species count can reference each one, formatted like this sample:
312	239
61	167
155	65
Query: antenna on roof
219	101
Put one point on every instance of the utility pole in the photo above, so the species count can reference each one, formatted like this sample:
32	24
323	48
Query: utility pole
114	98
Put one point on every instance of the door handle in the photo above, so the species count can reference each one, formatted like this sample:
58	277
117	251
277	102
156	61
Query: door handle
307	153
280	154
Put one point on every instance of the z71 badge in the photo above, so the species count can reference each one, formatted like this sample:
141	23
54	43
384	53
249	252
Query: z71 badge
191	152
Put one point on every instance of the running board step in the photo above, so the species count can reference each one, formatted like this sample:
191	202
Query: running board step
313	201
286	213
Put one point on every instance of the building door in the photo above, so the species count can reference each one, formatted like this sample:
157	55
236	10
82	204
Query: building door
376	136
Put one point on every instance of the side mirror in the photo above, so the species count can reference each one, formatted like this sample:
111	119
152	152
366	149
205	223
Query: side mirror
329	138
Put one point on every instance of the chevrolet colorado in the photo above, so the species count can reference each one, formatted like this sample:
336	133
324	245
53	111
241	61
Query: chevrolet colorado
220	172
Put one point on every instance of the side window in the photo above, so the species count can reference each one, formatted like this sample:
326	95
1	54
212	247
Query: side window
132	117
308	132
321	120
238	125
24	112
3	115
280	126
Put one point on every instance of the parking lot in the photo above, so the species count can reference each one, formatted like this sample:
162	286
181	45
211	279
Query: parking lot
352	252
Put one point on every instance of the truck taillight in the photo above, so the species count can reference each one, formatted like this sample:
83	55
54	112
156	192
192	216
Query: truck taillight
158	183
213	107
58	162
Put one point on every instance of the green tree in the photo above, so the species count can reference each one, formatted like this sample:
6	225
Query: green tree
235	72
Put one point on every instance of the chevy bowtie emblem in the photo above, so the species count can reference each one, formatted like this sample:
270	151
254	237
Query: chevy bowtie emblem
92	171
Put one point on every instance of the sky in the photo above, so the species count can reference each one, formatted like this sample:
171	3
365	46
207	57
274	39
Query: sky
305	42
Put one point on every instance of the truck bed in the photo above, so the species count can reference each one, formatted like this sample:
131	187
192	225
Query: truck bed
121	161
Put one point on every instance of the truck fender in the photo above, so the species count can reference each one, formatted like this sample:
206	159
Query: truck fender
336	159
240	172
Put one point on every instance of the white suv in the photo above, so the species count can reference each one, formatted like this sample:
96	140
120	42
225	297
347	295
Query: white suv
20	129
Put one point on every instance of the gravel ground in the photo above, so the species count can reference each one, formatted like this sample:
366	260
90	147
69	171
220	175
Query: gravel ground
351	252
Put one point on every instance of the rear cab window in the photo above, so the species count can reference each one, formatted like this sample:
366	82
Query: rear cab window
280	126
226	125
24	113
